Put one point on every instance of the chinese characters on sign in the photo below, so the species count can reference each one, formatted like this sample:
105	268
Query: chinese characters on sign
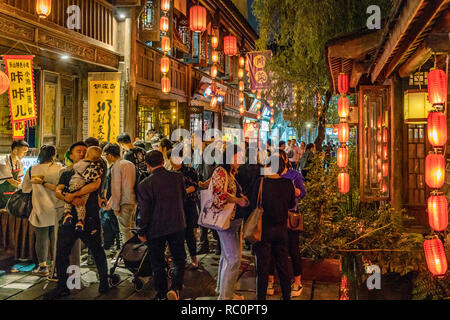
257	68
22	101
104	111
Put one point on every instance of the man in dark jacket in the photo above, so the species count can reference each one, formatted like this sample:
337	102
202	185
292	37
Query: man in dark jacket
161	219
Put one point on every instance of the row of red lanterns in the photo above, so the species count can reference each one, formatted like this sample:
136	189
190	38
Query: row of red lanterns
343	134
165	46
435	172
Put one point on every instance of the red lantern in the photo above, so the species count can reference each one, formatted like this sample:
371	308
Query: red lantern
241	62
342	157
343	132
343	107
213	102
434	170
43	8
165	64
272	120
4	82
379	164
242	109
258	115
436	259
437	87
165	5
165	44
165	84
437	128
230	45
385	153
213	72
241	86
214	42
379	137
241	96
344	182
385	135
258	105
385	169
164	24
258	95
438	212
379	177
379	149
343	83
214	56
383	187
241	73
197	18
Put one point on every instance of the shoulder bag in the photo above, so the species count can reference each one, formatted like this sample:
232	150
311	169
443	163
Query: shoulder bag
20	205
253	225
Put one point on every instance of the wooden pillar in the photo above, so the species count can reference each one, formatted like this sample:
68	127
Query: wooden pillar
131	115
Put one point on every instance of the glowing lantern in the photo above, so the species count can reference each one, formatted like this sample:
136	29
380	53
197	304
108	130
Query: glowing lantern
165	84
437	87
343	107
230	45
165	44
241	96
379	177
241	73
241	62
272	120
385	169
343	83
165	5
242	109
436	259
383	187
379	122
437	129
213	71
343	132
438	212
379	164
164	24
258	95
214	42
385	153
213	102
344	182
241	86
435	170
258	115
214	56
43	8
379	149
165	64
197	18
258	105
385	135
4	82
342	157
379	137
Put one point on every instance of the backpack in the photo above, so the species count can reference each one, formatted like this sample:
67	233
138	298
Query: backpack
137	157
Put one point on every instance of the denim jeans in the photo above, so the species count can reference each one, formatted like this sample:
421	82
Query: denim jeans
110	227
230	259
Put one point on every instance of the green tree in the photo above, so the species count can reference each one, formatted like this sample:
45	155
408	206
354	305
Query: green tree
296	31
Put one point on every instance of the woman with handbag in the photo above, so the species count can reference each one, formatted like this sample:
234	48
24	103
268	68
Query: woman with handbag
276	197
41	181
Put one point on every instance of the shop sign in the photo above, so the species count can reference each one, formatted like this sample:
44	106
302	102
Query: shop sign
257	61
18	129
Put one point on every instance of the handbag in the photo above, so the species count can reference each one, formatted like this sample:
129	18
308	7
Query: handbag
295	221
212	217
20	205
253	225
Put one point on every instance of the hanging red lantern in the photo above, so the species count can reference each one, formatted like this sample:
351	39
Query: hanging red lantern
165	5
379	177
434	170
164	24
213	102
385	135
43	8
437	87
258	105
435	255
213	71
241	86
379	137
438	212
343	132
241	97
342	157
343	107
230	47
379	164
258	95
242	109
165	44
213	87
379	149
165	64
197	21
214	56
385	169
437	128
165	84
214	42
241	62
4	82
344	182
272	120
385	152
241	73
258	115
343	83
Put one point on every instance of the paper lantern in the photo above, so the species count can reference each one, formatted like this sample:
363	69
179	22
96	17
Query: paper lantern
379	164
434	170
436	259
438	212
165	5
437	87
343	107
43	8
4	82
437	129
379	136
197	18
241	73
213	72
214	56
385	153
214	42
379	150
165	84
165	44
343	83
342	157
344	182
258	95
230	47
385	135
258	115
165	64
164	24
213	102
242	109
241	86
272	120
385	169
241	62
343	132
241	96
258	105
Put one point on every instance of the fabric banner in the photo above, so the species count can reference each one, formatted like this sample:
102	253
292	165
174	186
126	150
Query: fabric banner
104	109
22	99
18	129
259	78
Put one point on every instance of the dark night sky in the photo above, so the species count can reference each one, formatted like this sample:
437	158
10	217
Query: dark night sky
251	17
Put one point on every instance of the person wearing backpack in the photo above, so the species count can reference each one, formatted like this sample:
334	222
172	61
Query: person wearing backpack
134	154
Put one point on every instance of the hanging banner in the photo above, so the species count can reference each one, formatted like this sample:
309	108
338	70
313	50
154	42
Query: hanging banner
104	109
22	100
18	129
259	79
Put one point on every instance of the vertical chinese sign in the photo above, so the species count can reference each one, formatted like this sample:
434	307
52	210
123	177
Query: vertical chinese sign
22	99
104	109
257	61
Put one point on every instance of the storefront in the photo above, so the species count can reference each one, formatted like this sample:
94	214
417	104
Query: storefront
232	126
251	129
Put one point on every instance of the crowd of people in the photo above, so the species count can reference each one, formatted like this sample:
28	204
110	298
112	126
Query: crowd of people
106	190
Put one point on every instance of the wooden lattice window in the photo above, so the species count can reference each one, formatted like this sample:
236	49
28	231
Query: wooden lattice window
416	153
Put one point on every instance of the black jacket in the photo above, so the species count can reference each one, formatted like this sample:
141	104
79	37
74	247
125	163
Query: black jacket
160	201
